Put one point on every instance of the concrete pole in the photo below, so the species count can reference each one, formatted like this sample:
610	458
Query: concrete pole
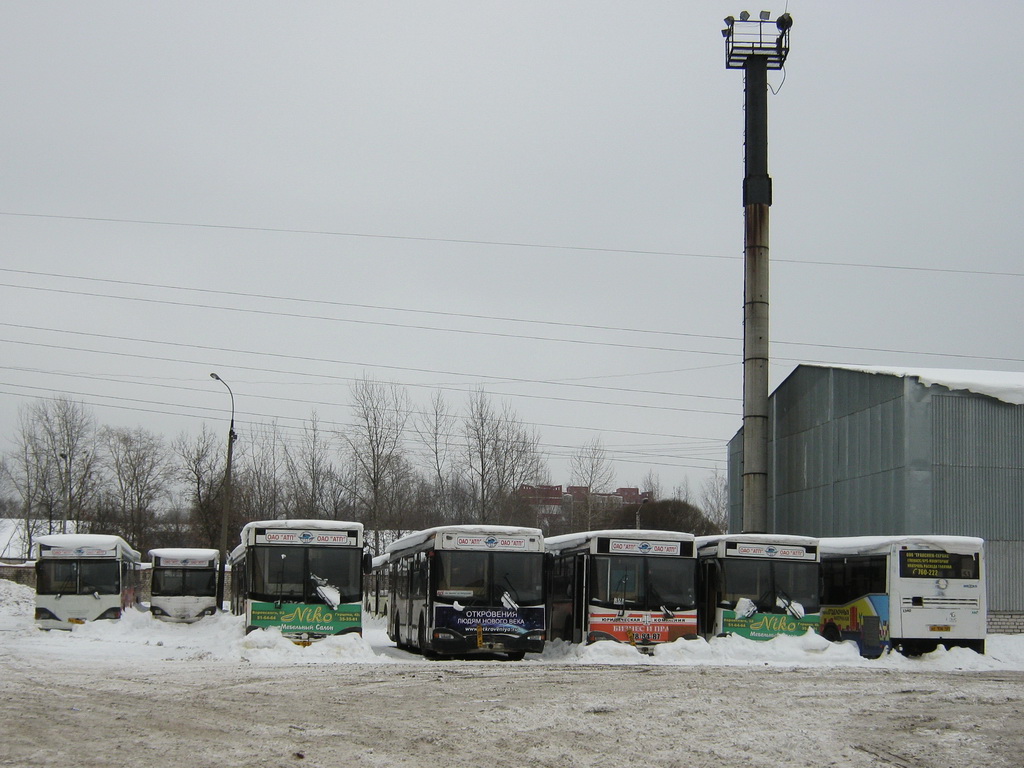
757	198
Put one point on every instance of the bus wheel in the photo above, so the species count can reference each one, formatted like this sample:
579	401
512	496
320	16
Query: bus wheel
831	633
515	655
424	650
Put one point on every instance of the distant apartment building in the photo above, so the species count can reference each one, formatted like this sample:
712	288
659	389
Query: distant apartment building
555	507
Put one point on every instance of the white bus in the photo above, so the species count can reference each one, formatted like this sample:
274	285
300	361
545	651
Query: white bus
303	576
83	577
184	584
757	585
468	589
907	593
630	586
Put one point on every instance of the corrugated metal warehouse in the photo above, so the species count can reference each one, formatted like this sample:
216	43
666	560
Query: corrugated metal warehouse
874	451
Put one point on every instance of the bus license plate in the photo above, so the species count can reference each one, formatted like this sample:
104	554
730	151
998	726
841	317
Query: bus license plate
76	621
939	628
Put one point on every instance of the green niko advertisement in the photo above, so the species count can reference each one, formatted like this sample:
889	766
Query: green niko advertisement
296	618
765	626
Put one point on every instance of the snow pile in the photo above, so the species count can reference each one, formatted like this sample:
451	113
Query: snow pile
139	638
784	651
269	646
17	606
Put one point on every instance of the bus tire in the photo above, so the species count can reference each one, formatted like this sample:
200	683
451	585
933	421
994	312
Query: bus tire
831	633
515	655
426	652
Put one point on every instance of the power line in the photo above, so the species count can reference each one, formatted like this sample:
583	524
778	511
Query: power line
589	327
500	243
352	379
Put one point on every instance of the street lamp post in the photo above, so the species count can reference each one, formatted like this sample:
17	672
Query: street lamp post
226	506
639	506
67	492
755	46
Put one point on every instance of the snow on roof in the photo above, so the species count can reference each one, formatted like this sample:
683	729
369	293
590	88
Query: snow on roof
1007	386
569	540
75	540
870	545
184	553
333	525
757	538
480	530
380	561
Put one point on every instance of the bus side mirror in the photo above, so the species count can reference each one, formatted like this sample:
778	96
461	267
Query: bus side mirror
367	562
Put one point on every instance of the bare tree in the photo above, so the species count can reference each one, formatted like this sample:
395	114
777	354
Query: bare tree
30	470
435	430
309	471
652	484
201	471
714	495
376	450
501	454
62	438
140	470
591	468
259	494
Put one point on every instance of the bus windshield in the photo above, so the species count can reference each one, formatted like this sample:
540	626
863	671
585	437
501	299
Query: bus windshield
184	582
306	574
78	577
772	584
484	578
643	583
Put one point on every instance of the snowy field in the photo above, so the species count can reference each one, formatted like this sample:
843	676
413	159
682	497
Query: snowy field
143	692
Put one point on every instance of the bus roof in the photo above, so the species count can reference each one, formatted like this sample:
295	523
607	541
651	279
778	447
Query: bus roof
183	553
571	540
88	541
877	545
421	537
323	525
758	538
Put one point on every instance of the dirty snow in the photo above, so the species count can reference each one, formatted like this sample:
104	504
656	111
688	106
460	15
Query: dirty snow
141	691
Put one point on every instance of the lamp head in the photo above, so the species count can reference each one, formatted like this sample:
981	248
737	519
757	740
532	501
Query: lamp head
730	20
784	22
765	15
744	15
215	377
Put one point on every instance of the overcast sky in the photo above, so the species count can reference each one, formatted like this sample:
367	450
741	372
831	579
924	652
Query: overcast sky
539	198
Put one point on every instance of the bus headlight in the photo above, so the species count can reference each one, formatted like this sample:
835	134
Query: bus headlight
43	614
110	613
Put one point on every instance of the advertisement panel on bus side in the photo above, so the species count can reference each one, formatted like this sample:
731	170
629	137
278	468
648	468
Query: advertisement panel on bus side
764	626
505	620
641	627
297	618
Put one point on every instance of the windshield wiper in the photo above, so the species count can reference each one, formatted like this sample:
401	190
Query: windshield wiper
327	592
784	601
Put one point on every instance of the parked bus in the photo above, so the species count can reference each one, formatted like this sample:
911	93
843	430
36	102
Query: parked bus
303	576
757	586
83	577
468	589
630	586
908	593
184	584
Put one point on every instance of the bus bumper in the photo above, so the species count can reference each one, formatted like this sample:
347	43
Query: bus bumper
449	642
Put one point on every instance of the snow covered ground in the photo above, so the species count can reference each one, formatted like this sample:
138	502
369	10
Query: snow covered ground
140	691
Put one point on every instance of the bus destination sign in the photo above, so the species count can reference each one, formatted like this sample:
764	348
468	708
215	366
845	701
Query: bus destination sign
643	547
296	536
775	551
501	543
